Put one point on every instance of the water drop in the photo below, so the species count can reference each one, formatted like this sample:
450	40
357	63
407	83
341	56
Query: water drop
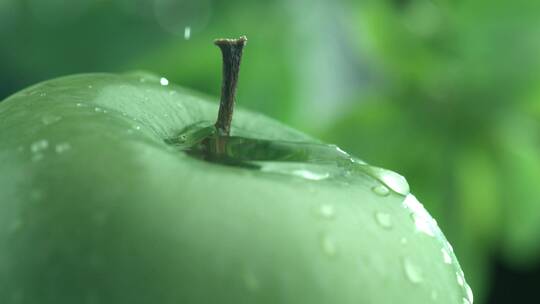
381	190
446	256
469	293
50	119
187	32
403	240
98	109
328	246
459	279
251	281
391	179
465	301
42	94
164	81
384	220
434	295
62	147
422	220
307	174
79	104
90	86
413	274
327	211
37	157
39	146
137	127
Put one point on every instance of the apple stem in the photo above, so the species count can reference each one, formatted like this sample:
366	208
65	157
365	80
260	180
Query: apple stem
231	49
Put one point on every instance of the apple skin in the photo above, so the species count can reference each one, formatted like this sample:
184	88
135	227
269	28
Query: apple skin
96	208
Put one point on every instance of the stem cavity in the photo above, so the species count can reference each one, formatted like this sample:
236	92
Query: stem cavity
231	50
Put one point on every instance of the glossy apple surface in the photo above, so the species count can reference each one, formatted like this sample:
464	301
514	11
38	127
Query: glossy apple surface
96	207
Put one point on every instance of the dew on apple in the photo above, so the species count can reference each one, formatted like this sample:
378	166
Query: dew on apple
98	109
381	190
413	274
90	86
39	145
62	147
465	301
328	246
459	279
391	179
422	220
469	293
164	81
384	220
327	211
48	119
446	256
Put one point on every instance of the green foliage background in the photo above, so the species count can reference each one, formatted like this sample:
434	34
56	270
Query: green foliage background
444	92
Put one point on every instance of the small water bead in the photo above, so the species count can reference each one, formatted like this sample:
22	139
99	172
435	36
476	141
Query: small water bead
465	301
90	86
98	109
50	119
62	147
469	293
460	280
251	281
434	295
381	190
187	32
79	104
391	179
164	81
422	220
138	128
446	256
39	145
327	211
42	94
413	274
328	246
384	220
403	240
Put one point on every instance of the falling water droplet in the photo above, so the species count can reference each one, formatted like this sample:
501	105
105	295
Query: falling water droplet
164	81
327	211
384	220
50	119
62	147
413	274
187	32
446	256
381	190
328	246
39	146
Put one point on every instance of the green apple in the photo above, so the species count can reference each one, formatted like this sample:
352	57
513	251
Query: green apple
101	202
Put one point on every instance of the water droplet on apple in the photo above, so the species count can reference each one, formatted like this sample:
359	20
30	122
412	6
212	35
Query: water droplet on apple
459	278
469	293
137	127
187	32
164	81
328	246
251	281
48	119
403	240
15	226
62	147
37	157
98	109
326	211
465	301
446	256
90	86
43	94
413	274
434	295
381	190
39	145
422	220
390	179
384	220
79	104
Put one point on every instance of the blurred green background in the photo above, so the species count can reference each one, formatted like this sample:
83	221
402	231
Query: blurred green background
445	92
